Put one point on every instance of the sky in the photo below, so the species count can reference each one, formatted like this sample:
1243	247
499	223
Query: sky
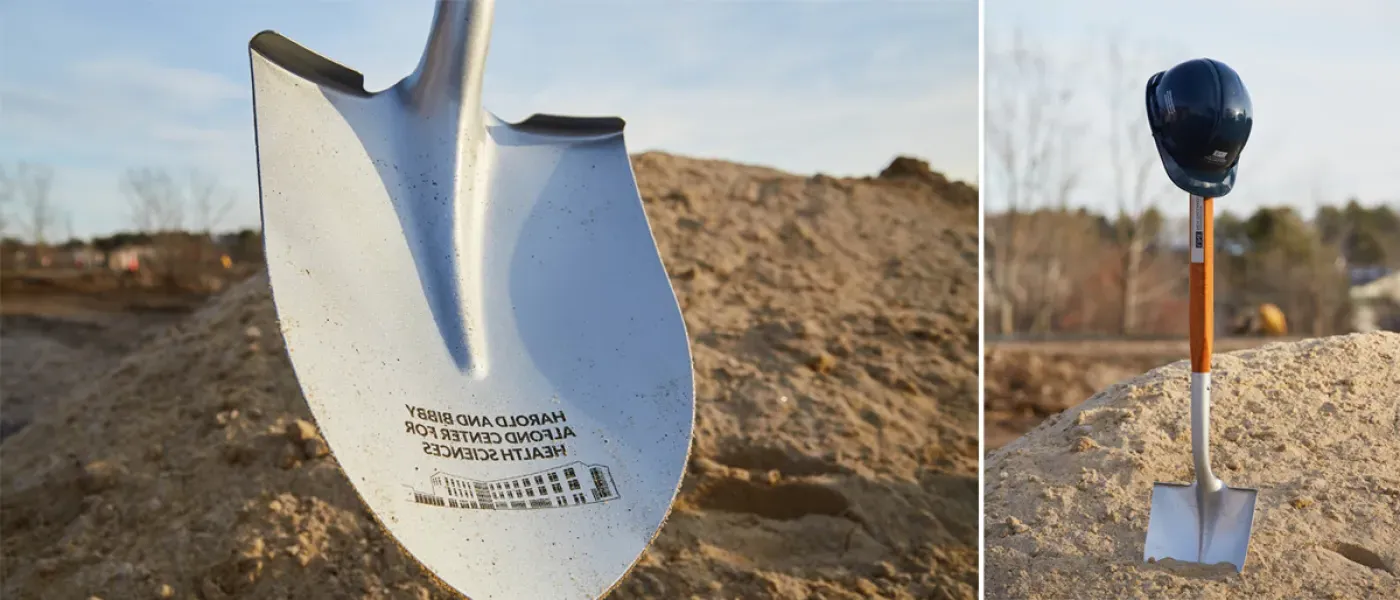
94	88
1323	78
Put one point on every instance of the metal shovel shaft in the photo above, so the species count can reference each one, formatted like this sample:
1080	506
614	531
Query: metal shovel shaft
450	72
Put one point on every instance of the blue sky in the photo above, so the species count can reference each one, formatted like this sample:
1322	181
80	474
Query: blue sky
1323	77
93	88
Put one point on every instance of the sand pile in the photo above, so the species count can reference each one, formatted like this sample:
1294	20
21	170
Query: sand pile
1314	425
834	332
1024	388
43	356
34	362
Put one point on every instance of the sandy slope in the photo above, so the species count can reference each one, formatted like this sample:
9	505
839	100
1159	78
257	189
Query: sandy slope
834	332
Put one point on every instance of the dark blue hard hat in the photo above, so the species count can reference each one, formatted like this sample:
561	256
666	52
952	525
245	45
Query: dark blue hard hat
1200	116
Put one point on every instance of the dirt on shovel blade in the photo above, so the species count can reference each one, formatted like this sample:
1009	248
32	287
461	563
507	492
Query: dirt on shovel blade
1313	425
835	341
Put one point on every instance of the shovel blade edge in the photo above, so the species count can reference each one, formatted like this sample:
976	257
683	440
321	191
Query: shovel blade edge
1179	529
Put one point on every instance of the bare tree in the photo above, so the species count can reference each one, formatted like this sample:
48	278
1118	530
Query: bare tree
1327	294
1058	254
155	200
1028	133
1137	188
160	203
31	185
7	193
211	203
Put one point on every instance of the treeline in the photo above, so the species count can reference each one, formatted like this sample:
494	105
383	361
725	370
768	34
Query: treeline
159	202
173	217
123	239
1068	274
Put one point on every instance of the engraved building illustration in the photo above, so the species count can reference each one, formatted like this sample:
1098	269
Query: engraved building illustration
567	485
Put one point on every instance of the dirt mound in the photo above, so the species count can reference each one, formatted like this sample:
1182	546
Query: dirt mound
905	168
834	334
46	356
1023	388
1312	425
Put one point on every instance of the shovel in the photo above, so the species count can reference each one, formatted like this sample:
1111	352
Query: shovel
1205	521
477	314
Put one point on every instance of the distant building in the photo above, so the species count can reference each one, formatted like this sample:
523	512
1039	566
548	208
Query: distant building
85	257
129	258
1376	301
568	485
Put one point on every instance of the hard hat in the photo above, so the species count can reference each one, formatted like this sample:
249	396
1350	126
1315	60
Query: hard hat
1200	115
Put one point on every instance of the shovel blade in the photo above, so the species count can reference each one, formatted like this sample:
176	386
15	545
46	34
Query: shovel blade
1209	529
481	324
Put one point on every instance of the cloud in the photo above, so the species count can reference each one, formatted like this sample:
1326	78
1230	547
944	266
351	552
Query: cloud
92	119
125	108
174	86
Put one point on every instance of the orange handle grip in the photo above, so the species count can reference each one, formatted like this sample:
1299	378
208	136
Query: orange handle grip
1202	294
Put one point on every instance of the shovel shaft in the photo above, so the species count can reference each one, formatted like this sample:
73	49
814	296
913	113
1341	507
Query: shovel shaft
1200	432
454	59
1202	327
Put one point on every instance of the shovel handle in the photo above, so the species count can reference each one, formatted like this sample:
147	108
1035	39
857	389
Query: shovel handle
1202	292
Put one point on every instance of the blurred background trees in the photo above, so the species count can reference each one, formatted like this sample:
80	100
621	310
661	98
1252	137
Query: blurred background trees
175	239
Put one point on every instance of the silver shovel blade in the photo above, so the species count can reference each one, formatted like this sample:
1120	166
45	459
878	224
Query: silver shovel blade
1210	528
481	324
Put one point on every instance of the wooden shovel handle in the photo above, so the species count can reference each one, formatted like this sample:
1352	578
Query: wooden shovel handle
1202	285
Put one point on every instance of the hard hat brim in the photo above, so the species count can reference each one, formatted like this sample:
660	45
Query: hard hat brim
1194	181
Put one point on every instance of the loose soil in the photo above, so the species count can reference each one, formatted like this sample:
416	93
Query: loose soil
834	327
1311	424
